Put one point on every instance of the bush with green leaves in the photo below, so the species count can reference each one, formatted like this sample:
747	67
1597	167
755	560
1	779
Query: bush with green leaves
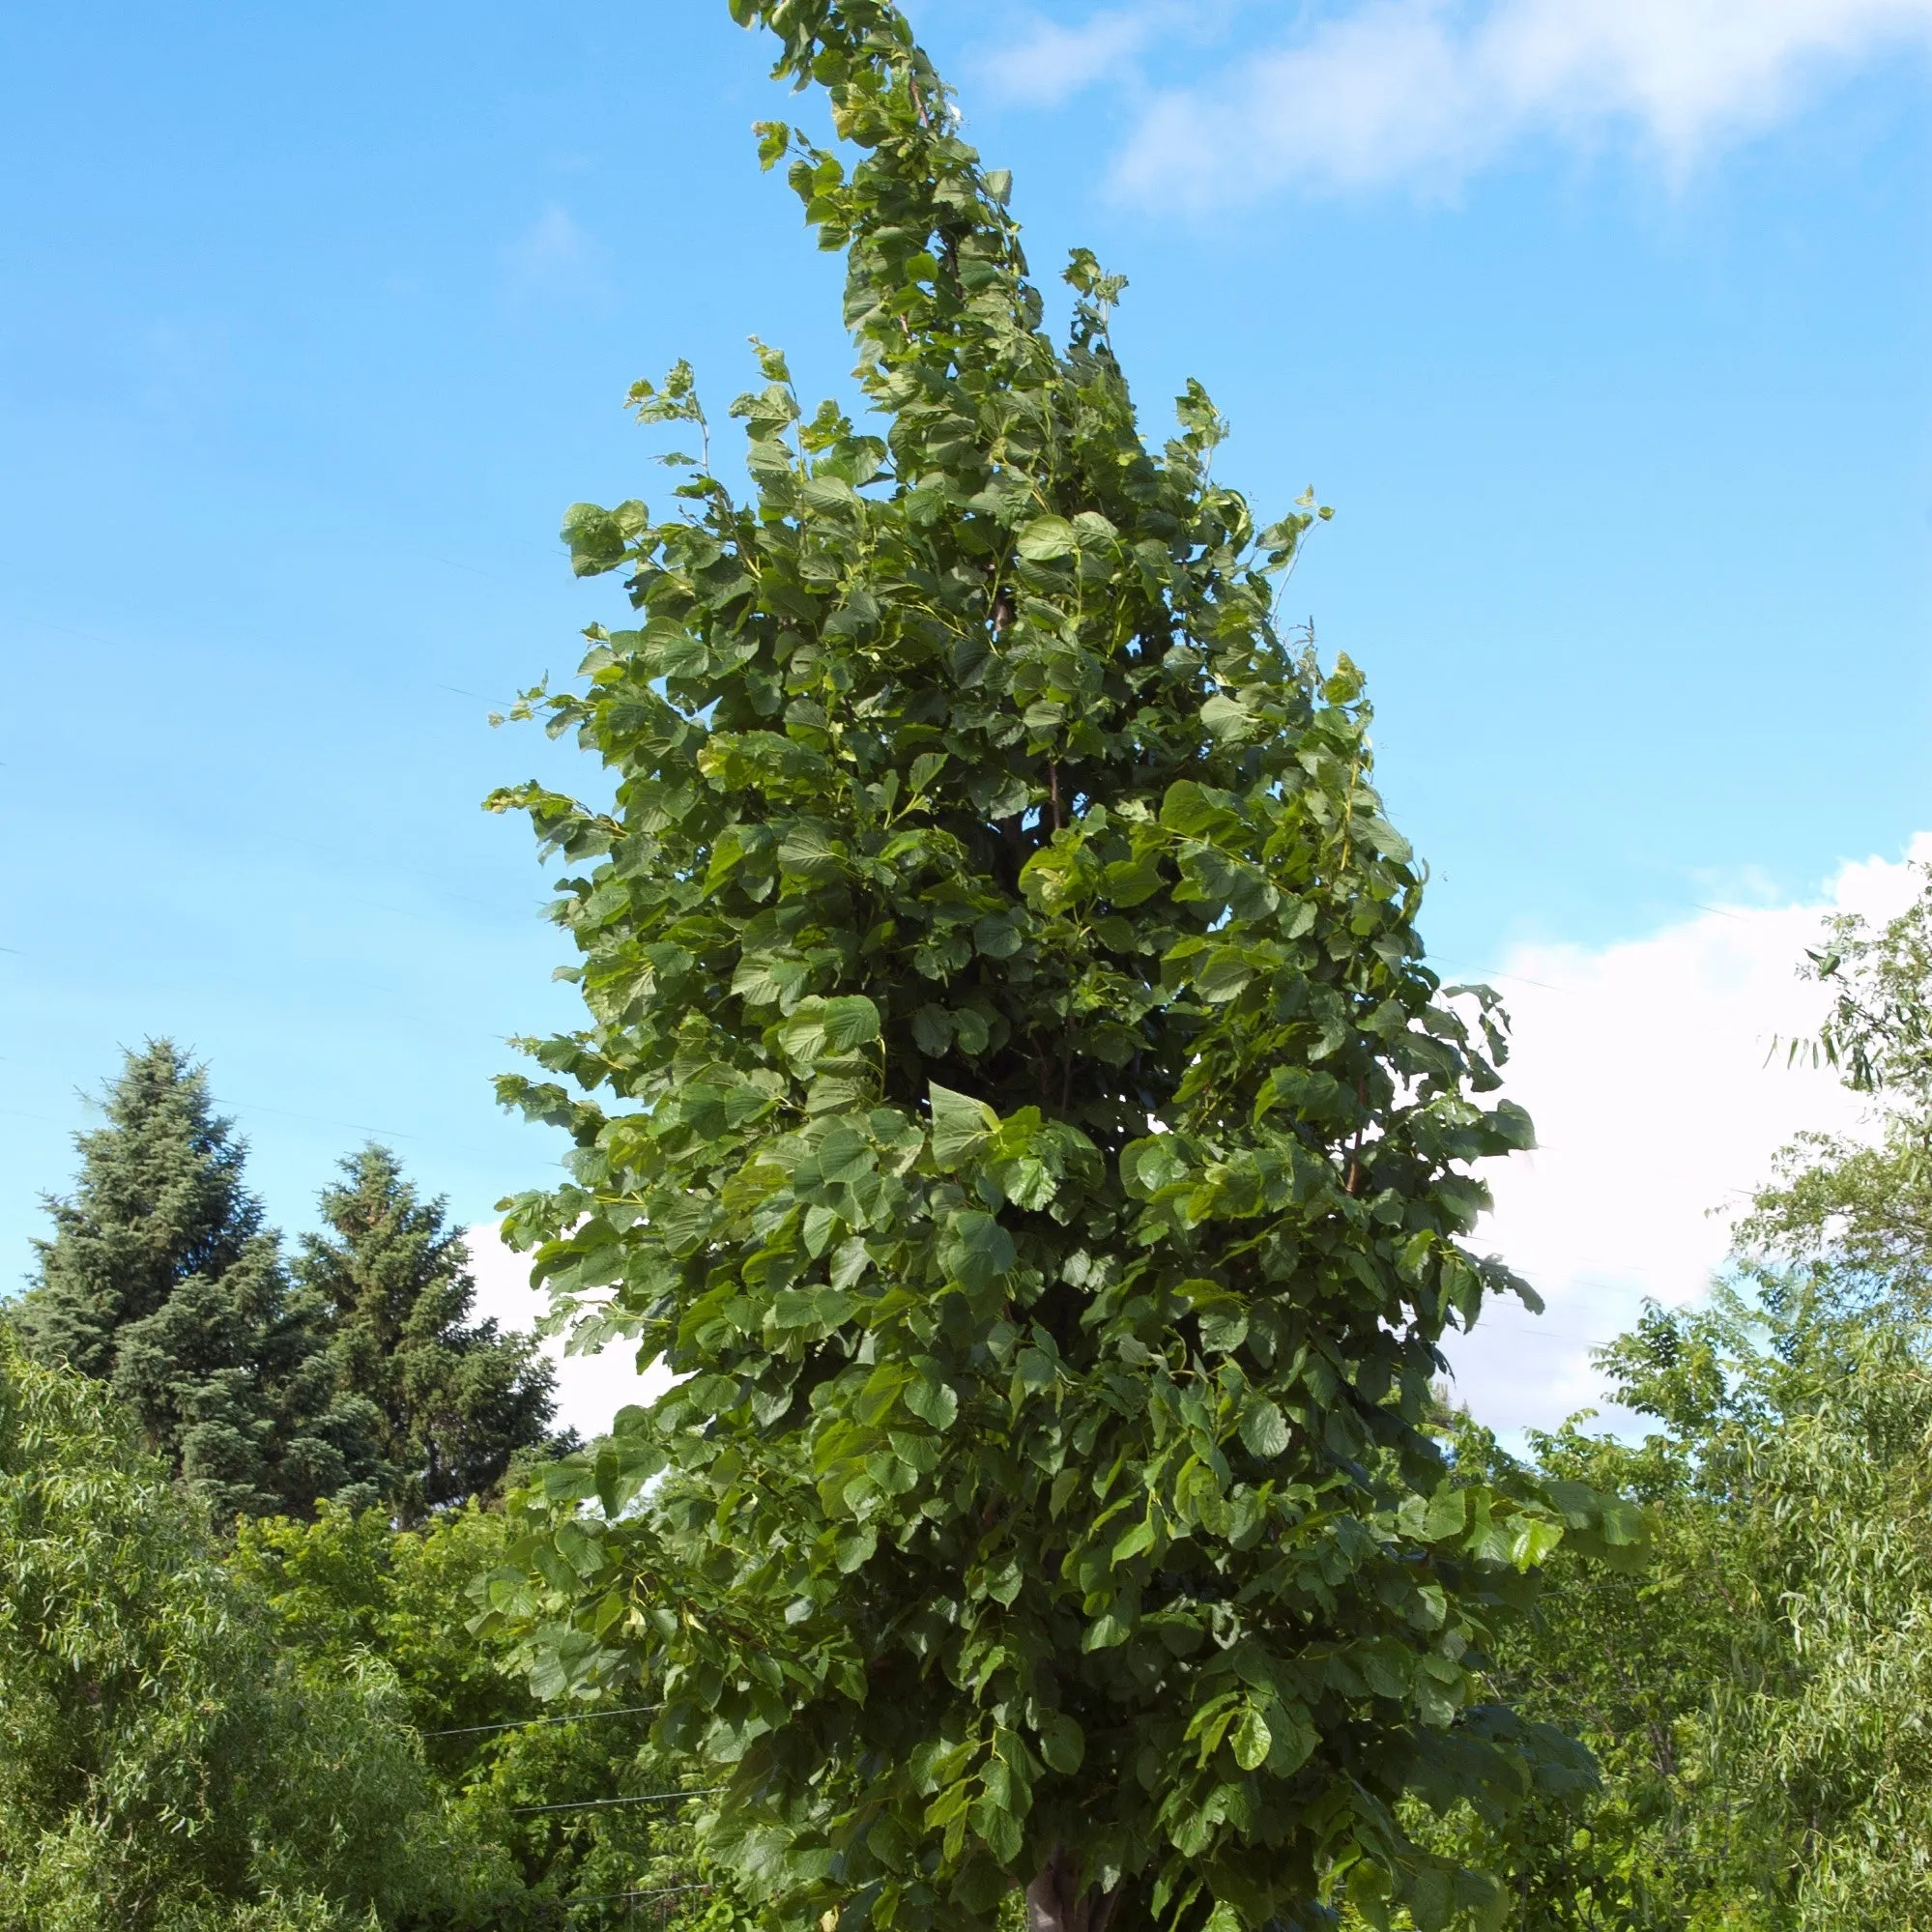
1014	1100
1755	1697
162	1768
347	1588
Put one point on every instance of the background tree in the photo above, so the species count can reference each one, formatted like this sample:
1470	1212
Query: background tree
1861	1209
458	1399
163	1767
1756	1696
164	1281
1633	1663
347	1588
1014	1098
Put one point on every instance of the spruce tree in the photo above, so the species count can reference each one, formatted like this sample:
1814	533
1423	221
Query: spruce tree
458	1399
1014	1098
163	1281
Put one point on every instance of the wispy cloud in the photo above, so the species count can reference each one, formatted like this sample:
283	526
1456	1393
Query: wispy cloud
1426	92
552	254
1047	62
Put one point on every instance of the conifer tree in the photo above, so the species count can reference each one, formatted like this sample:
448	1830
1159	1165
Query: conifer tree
1013	1097
163	1280
458	1399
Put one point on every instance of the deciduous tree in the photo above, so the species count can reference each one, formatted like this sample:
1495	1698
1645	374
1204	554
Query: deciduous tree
1755	1696
1015	1101
348	1588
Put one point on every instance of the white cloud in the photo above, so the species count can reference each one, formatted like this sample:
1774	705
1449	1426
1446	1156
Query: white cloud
1649	1071
590	1388
1427	90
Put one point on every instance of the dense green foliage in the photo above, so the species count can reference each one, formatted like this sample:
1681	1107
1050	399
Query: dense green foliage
1014	1098
162	1763
1757	1697
162	1282
302	1738
457	1400
347	1587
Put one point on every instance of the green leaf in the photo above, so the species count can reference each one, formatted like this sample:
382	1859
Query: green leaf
1264	1428
1045	538
1062	1743
961	1127
850	1020
1389	842
998	936
821	1029
773	138
976	1251
1430	1896
1535	1540
1224	976
1228	719
599	539
1133	881
931	1401
1447	1514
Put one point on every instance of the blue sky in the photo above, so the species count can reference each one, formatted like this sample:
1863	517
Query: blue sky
1605	330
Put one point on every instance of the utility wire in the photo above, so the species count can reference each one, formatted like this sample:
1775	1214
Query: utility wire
662	1891
525	1723
597	1803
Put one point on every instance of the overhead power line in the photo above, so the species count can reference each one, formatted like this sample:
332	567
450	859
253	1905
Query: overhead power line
609	1897
598	1803
530	1723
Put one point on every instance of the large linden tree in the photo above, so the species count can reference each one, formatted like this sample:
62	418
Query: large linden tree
1014	1102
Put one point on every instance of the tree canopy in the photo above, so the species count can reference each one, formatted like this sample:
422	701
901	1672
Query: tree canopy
1014	1100
164	1281
457	1400
348	1589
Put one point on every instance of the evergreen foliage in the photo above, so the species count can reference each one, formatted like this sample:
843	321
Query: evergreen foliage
162	1768
1014	1098
163	1280
458	1399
